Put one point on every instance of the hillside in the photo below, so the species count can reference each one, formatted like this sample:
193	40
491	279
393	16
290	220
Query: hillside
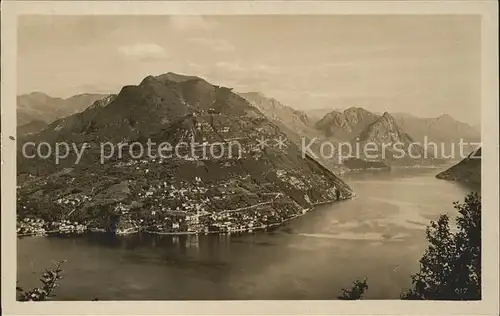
468	170
273	109
317	114
295	124
39	106
219	180
31	127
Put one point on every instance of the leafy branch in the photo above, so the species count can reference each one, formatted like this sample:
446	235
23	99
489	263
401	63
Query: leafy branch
49	281
356	292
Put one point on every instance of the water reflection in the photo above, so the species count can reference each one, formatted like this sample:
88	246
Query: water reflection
312	257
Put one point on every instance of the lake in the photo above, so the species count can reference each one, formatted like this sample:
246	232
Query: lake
379	235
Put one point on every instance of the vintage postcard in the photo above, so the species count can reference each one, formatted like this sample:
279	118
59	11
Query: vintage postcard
246	157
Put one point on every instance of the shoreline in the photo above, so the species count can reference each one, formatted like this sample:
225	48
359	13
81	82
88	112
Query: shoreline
444	165
245	230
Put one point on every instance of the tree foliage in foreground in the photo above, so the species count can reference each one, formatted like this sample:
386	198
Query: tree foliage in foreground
450	268
49	283
356	292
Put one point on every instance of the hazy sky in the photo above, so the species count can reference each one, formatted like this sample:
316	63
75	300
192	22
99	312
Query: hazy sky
424	65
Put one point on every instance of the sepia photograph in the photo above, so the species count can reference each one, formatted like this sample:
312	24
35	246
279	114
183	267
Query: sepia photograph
242	156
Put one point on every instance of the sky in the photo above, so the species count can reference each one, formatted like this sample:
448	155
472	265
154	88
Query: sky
422	65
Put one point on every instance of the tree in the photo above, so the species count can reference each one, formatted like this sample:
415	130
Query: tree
49	284
356	292
450	268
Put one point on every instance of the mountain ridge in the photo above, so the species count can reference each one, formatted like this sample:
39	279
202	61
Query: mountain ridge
295	124
39	106
238	188
345	125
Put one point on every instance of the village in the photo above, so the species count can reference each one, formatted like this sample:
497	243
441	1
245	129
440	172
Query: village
207	195
162	207
171	222
167	208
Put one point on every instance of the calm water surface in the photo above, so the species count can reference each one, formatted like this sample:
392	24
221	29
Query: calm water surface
379	235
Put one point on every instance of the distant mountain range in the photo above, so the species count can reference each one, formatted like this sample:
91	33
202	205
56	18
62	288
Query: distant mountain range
354	124
239	188
31	127
295	124
441	130
436	127
273	109
363	129
35	109
317	114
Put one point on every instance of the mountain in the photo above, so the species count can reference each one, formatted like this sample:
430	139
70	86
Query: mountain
385	130
357	129
31	127
214	173
442	127
440	130
295	124
39	106
345	125
468	170
317	114
275	110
